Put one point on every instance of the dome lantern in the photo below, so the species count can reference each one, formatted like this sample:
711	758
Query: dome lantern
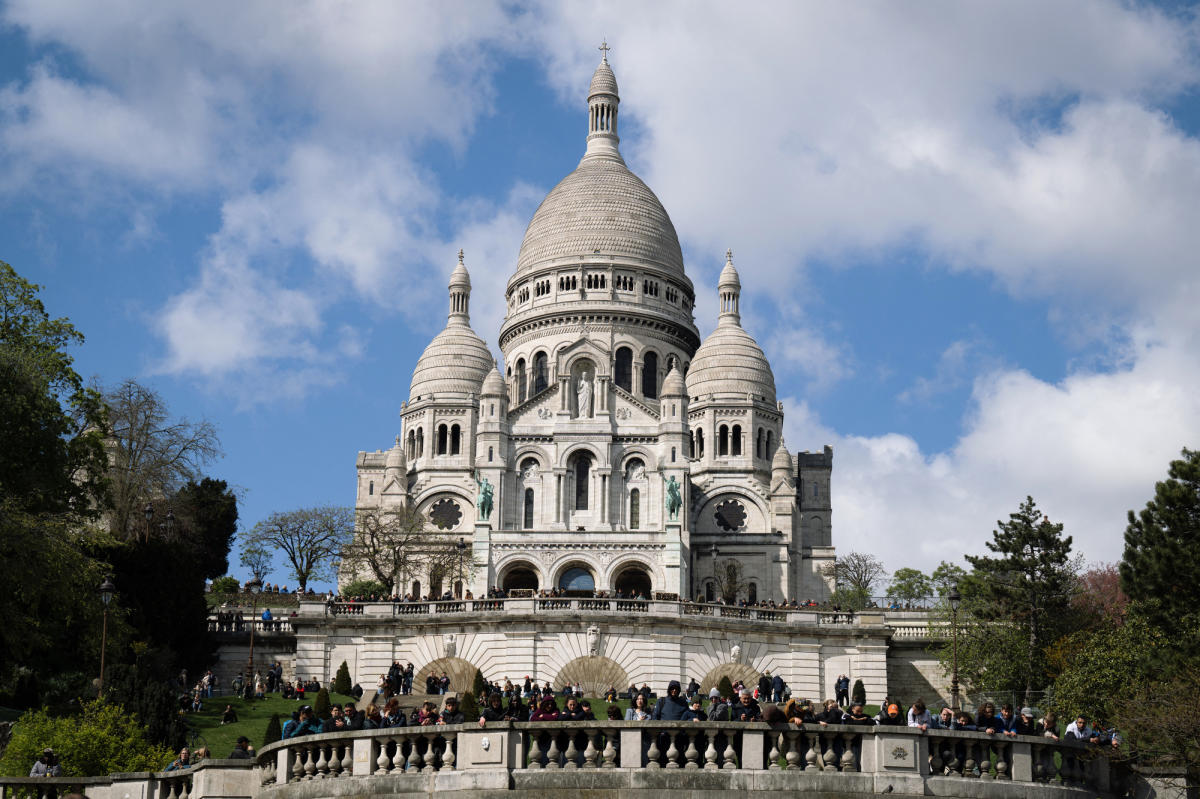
729	286
460	293
602	108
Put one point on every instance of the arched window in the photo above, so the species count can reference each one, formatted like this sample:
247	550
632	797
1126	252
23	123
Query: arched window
816	490
412	444
416	589
699	442
752	594
441	439
458	589
770	453
723	440
522	386
491	453
623	369
737	440
583	473
692	445
455	440
528	517
758	444
420	442
371	489
635	509
650	375
541	375
673	453
710	593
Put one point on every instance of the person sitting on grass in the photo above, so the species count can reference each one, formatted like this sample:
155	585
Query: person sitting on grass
229	716
243	750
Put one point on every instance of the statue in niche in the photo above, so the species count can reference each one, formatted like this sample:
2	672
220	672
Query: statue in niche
583	396
735	653
674	501
450	644
593	640
484	499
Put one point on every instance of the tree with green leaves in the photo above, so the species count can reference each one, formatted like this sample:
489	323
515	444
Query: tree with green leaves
1161	565
1100	667
341	681
310	538
321	705
1016	603
274	731
945	577
858	693
910	585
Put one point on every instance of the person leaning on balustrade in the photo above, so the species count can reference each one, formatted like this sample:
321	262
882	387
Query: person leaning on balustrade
494	711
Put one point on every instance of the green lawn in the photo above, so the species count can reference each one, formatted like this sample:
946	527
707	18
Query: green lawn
252	719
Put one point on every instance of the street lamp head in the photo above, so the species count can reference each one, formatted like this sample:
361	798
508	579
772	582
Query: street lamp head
106	591
254	586
148	511
715	550
462	544
955	598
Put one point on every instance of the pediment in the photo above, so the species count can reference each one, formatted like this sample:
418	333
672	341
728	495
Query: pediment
538	409
582	347
627	410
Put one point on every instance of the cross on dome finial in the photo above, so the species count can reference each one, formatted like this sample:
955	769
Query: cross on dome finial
460	255
397	442
729	256
604	48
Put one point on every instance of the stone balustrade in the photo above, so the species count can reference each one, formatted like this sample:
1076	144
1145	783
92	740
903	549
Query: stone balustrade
617	758
260	626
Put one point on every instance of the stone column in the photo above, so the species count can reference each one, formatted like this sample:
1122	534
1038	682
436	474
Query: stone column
637	379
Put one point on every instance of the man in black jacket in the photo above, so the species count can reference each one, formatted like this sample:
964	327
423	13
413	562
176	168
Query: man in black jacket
746	709
672	706
451	715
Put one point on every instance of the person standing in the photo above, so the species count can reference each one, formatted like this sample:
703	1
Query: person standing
842	690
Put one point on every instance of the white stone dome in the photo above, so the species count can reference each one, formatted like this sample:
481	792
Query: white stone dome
456	361
493	384
601	207
730	363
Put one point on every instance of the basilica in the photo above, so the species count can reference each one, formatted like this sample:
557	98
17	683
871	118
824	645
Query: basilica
615	451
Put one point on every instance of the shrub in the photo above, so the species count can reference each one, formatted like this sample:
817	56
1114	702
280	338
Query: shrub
342	683
101	740
468	706
226	585
478	684
364	589
725	687
274	730
321	704
858	693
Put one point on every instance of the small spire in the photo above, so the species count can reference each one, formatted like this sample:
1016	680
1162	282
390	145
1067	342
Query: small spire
397	441
729	255
460	255
604	48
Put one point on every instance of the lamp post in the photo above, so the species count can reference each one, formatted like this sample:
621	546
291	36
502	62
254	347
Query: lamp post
714	550
254	586
955	599
461	546
106	591
148	512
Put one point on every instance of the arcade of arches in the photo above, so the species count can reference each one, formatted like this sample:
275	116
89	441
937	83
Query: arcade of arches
579	578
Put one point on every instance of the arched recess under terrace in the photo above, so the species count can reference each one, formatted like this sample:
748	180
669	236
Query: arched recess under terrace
461	673
633	580
734	671
519	574
594	673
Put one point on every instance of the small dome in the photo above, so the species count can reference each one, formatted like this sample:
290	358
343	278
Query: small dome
673	385
395	457
459	277
782	460
730	363
729	275
456	361
493	384
603	81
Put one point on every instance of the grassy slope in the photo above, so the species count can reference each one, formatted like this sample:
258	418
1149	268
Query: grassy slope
252	719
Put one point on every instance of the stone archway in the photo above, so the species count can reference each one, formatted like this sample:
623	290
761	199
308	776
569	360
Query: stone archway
734	671
519	574
594	673
633	579
461	673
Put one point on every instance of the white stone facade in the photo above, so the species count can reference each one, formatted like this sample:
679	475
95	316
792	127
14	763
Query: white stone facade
606	400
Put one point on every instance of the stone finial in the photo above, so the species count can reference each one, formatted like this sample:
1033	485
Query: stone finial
604	48
460	255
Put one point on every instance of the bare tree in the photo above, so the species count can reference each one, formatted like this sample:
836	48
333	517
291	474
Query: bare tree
856	571
731	580
150	454
311	538
392	545
257	559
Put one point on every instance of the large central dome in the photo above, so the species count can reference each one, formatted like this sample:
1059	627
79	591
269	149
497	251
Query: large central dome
601	207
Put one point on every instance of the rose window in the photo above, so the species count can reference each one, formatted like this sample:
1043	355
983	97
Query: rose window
445	514
730	515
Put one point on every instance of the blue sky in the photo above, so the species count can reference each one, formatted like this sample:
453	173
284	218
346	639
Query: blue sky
966	232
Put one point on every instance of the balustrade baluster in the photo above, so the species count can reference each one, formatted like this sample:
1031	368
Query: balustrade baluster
610	752
792	755
985	761
430	753
383	763
591	753
729	759
829	760
415	761
969	760
936	763
450	758
183	789
335	759
813	755
776	739
692	754
849	761
553	754
572	753
297	755
710	754
1002	770
652	753
672	752
535	750
347	760
310	762
322	767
